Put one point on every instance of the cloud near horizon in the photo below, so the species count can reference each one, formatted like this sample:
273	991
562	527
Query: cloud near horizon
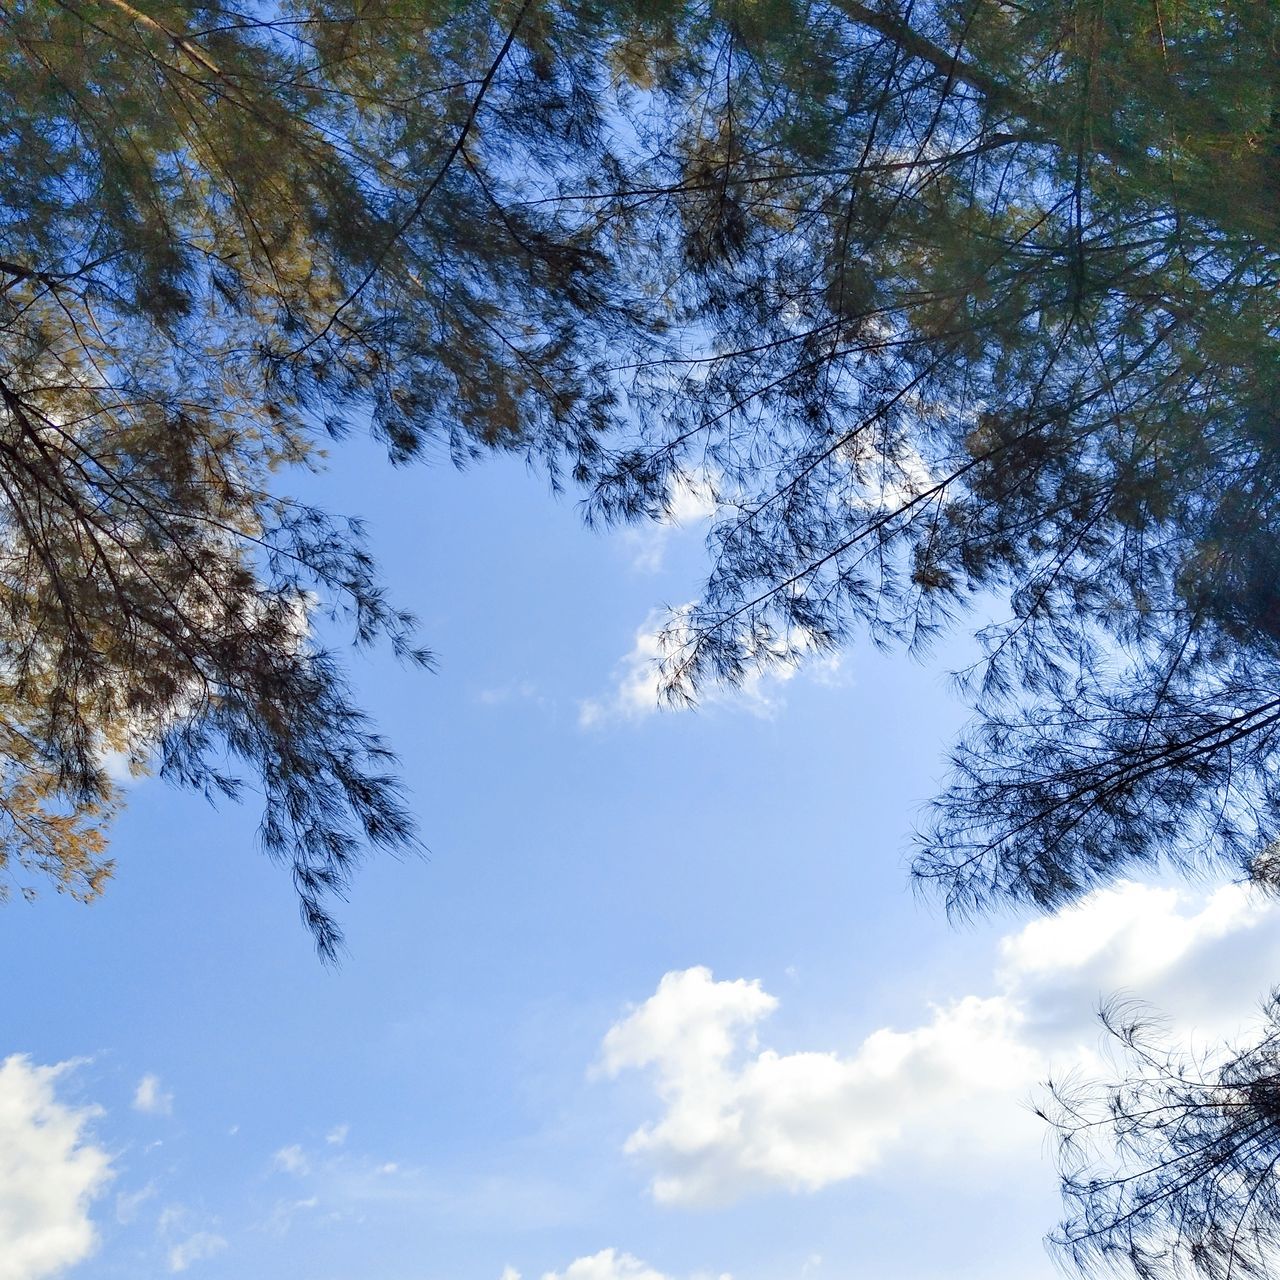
608	1264
738	1118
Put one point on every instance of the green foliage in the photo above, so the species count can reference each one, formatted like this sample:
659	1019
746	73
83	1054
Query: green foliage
963	297
227	233
983	299
941	299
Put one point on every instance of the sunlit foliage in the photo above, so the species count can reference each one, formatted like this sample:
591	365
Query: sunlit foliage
940	300
227	233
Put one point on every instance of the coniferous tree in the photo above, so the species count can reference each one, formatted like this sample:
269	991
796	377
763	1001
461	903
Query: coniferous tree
1194	1190
992	308
227	232
938	298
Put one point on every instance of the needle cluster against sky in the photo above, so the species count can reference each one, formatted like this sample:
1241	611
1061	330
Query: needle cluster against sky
658	1004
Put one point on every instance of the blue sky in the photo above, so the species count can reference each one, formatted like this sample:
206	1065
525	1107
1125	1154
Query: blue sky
659	1005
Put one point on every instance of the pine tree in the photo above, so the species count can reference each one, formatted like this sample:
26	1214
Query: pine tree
940	299
981	301
229	233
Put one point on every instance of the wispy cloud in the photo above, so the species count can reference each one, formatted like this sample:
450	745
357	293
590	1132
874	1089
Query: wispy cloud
129	1202
342	1185
516	691
285	1211
150	1098
638	691
738	1118
691	502
198	1247
292	1159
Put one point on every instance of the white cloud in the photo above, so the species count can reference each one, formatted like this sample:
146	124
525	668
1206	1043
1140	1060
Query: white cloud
292	1159
637	691
1182	953
120	767
195	1248
608	1264
737	1118
690	1026
285	1211
690	501
50	1173
150	1098
510	1273
171	1218
337	1135
894	480
129	1202
515	691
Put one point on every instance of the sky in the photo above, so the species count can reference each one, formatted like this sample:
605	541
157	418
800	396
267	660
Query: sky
658	1004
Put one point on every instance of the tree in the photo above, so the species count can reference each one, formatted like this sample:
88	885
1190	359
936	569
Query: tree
1196	1192
942	299
988	307
228	232
1010	329
970	342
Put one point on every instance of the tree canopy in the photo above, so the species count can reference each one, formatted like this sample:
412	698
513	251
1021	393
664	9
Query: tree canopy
226	234
942	300
1194	1191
